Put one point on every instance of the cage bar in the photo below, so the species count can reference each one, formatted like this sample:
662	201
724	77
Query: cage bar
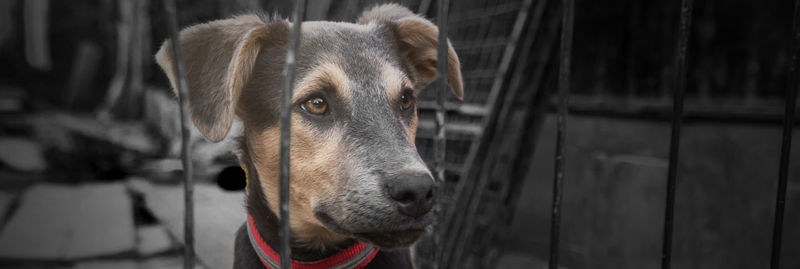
286	120
186	157
675	136
567	26
474	178
786	146
439	140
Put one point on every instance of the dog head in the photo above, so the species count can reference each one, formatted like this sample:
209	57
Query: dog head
355	171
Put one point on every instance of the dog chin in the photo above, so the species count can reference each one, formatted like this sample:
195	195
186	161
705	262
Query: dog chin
389	237
391	240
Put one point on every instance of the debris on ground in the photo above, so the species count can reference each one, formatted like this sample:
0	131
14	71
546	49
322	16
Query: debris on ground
6	199
60	222
22	154
153	239
218	215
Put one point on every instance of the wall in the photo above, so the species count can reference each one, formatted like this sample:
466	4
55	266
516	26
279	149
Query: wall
615	190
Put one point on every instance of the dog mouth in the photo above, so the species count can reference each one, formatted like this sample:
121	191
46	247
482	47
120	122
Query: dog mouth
387	236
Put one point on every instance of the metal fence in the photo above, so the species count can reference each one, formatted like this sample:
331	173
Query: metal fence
567	25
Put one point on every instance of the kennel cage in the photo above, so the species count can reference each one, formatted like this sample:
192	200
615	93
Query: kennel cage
491	37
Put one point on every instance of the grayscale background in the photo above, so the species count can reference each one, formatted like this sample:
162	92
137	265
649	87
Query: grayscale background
90	144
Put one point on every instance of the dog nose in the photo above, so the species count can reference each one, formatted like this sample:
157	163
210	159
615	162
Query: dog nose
413	193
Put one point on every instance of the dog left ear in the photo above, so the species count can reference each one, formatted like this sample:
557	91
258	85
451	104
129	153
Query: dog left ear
418	42
219	58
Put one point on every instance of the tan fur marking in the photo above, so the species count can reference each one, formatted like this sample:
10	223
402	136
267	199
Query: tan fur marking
314	174
412	131
323	76
394	81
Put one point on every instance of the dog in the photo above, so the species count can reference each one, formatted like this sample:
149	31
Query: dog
358	184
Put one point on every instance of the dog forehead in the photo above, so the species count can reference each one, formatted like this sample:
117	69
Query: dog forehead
330	35
359	49
365	53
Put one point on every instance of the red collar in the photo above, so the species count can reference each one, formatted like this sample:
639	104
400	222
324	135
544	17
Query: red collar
356	256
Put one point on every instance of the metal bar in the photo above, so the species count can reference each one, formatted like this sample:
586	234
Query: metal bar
759	111
286	120
423	7
675	138
188	187
475	110
464	187
465	230
471	181
529	78
786	153
484	13
567	25
440	141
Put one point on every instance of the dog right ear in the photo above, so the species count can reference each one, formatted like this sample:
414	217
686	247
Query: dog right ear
219	57
418	43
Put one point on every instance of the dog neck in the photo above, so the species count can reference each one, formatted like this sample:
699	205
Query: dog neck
355	256
267	222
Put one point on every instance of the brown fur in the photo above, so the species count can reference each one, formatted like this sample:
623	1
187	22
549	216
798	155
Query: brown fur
418	43
312	158
217	71
328	76
233	70
395	81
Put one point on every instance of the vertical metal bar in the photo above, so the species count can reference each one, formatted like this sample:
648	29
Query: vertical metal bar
783	173
286	120
423	7
675	138
567	25
188	187
460	232
440	141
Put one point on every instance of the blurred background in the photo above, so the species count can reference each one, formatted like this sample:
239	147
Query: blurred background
90	144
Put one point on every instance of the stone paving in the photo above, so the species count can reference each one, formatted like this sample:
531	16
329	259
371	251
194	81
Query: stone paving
95	226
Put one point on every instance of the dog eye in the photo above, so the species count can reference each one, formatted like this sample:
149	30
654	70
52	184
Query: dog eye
315	105
407	100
